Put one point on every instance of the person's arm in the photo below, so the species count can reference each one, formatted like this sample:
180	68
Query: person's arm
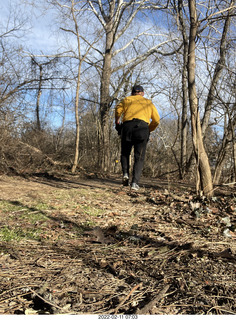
155	119
118	112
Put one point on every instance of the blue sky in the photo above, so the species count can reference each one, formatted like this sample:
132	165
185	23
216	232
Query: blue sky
37	34
39	37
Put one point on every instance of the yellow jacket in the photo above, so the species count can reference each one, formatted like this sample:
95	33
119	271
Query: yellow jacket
138	107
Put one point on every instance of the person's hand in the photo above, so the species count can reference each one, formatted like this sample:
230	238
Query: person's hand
118	128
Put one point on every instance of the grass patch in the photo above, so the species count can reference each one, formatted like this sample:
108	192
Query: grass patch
41	206
11	206
9	234
91	211
20	222
34	217
17	211
29	218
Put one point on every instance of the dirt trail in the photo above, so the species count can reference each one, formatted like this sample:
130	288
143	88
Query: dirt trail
73	246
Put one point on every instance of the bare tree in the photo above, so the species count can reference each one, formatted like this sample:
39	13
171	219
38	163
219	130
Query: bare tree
204	182
116	18
40	80
211	19
184	117
219	66
227	148
71	14
81	58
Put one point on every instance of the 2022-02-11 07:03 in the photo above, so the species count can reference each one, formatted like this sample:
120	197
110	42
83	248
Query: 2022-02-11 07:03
118	316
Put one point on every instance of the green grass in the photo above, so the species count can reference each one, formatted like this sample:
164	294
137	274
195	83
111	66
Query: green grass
9	234
33	217
17	211
29	218
91	211
10	206
20	222
41	206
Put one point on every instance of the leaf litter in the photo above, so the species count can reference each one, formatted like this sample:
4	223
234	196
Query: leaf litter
94	247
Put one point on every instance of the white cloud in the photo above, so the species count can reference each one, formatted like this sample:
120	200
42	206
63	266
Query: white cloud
34	32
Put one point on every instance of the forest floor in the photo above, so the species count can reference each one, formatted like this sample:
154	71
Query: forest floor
87	245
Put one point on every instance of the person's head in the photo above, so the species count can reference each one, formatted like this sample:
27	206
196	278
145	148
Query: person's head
137	90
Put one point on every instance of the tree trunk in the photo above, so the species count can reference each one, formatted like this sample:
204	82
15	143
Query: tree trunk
76	156
184	120
38	123
217	71
203	167
234	160
105	101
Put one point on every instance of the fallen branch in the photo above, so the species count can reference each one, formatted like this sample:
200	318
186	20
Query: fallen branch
46	301
228	184
146	309
127	297
36	150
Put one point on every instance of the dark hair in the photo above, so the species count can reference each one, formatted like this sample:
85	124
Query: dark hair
136	89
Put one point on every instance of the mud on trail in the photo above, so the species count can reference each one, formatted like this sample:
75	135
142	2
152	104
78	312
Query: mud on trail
73	245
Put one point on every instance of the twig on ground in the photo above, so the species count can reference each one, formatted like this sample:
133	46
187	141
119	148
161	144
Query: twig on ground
146	309
127	297
46	301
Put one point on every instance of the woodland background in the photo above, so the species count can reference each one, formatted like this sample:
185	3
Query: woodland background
58	90
73	240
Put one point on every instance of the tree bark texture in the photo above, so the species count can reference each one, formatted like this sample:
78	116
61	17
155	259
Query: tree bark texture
105	101
203	166
77	136
38	98
104	89
81	59
184	121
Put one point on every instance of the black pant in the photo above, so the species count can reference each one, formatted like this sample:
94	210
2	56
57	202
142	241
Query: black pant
134	133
